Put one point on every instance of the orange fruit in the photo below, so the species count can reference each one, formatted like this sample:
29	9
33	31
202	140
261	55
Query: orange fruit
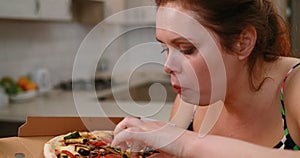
23	81
30	86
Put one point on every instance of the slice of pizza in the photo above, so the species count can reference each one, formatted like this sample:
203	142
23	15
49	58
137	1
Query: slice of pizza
94	144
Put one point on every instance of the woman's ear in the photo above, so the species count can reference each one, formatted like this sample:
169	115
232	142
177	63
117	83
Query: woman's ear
245	43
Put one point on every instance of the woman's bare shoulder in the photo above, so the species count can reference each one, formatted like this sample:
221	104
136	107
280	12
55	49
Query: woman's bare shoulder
291	97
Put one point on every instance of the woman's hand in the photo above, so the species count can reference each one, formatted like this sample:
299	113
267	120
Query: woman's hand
133	131
138	134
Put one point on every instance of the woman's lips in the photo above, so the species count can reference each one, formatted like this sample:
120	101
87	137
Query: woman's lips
177	89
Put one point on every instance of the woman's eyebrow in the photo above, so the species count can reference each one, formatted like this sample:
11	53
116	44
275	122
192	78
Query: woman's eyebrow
176	40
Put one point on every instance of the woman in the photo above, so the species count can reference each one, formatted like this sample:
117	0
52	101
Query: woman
261	110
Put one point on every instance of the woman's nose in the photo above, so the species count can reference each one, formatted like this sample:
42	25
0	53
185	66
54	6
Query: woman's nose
173	62
167	69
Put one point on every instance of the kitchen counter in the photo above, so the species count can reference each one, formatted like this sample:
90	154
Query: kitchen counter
85	104
62	103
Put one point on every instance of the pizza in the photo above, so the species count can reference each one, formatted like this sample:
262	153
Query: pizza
94	144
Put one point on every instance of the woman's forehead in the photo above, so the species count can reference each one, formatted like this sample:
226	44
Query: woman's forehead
176	12
176	22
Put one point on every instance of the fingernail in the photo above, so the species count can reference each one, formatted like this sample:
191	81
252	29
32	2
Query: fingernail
113	144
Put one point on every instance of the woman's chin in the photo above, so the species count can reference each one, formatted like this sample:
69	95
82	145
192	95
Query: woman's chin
195	100
190	99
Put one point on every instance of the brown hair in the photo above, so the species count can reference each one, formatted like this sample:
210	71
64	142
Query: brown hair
228	18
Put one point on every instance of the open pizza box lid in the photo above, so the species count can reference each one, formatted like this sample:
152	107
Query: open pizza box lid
36	131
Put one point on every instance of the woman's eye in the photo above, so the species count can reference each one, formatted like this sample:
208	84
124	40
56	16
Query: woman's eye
188	51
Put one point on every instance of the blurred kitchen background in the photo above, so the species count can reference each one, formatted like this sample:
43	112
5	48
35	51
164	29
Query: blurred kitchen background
49	36
43	37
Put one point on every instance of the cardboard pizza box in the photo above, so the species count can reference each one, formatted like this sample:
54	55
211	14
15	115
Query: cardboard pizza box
36	131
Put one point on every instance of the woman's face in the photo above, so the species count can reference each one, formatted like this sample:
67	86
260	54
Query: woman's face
188	47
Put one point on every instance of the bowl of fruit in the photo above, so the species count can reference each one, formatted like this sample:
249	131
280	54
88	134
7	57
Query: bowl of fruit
22	90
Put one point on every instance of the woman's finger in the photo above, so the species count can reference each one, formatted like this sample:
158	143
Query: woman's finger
125	136
136	147
126	123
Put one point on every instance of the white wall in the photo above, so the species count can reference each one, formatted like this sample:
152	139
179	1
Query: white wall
28	45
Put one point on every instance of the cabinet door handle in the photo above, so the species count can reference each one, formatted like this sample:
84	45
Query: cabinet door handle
37	6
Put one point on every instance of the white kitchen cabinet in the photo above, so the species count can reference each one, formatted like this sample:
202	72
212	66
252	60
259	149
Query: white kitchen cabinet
36	9
19	9
55	10
130	12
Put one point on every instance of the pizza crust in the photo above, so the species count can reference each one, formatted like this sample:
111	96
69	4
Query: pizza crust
49	151
52	144
49	147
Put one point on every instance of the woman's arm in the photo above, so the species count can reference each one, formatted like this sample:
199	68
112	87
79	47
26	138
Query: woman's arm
222	147
182	143
182	113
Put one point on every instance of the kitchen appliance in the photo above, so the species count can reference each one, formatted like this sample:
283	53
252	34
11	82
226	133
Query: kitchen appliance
42	78
3	98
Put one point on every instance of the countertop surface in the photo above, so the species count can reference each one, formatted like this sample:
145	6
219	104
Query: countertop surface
85	104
